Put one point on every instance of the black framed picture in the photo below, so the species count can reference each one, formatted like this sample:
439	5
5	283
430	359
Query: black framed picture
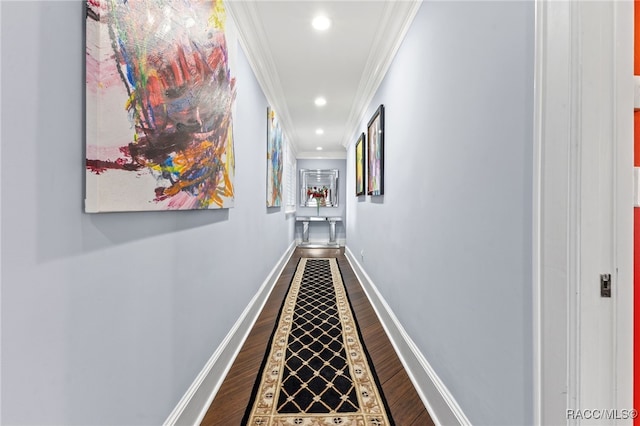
375	153
360	165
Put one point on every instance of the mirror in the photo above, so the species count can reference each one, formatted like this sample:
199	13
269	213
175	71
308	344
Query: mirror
319	188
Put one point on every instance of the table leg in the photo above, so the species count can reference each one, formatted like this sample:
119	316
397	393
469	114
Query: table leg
332	231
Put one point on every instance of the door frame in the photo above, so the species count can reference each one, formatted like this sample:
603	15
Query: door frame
561	162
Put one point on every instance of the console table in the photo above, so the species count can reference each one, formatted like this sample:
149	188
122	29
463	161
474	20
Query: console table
332	227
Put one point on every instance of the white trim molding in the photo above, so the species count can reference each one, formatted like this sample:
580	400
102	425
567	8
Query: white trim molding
1	275
582	209
399	16
196	401
623	136
440	403
254	43
551	270
322	155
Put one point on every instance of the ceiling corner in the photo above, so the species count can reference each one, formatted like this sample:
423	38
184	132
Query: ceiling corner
396	21
252	37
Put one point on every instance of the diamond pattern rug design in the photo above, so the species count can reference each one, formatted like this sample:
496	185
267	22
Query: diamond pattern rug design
316	370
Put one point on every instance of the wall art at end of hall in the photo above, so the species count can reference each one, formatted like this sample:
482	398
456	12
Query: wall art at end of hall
160	100
360	165
375	153
274	160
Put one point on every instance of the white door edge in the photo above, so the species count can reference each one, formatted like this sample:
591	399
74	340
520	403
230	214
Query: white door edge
560	166
623	207
552	131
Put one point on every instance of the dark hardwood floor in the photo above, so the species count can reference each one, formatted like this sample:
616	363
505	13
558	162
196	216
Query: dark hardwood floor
230	403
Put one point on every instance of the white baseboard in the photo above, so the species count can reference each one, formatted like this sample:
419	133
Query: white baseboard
194	404
442	406
320	241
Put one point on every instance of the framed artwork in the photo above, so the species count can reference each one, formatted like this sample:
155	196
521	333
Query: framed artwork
275	164
160	94
360	165
375	153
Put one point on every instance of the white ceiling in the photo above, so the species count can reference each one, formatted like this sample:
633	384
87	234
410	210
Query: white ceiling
295	63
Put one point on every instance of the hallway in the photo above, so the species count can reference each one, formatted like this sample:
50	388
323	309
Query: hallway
469	258
117	318
230	403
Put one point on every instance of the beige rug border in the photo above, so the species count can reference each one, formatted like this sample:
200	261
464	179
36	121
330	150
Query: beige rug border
372	409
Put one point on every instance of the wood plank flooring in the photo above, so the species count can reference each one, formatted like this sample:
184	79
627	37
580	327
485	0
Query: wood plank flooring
230	403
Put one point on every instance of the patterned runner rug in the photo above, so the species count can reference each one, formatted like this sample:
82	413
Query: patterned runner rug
316	370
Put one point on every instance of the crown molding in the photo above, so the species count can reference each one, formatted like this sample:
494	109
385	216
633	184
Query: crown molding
253	38
324	155
398	17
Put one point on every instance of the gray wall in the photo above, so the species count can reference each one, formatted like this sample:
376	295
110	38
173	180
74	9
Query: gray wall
449	244
107	319
319	232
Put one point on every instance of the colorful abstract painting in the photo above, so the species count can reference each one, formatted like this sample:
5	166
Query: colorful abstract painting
274	160
375	153
160	100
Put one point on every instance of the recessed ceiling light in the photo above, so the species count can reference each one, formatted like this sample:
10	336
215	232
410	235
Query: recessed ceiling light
319	148
320	101
319	132
321	23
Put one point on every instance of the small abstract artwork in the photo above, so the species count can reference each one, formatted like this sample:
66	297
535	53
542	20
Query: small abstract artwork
160	94
375	153
274	160
360	165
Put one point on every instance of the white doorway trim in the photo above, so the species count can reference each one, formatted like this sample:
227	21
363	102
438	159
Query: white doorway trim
579	186
551	209
624	206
